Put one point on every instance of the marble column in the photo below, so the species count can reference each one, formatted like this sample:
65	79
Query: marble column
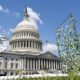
17	45
32	44
26	44
57	65
24	63
29	44
39	64
33	64
27	63
38	46
14	45
44	63
20	44
54	65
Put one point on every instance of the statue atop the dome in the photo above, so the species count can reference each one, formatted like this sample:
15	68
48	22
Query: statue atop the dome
26	15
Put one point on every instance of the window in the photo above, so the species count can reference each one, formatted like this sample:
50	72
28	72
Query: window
16	73
5	64
5	73
11	65
16	65
12	73
5	58
16	59
12	59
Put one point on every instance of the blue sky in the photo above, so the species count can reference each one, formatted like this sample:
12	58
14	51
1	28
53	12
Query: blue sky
52	13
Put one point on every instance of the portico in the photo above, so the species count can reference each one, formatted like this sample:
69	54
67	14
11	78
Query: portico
36	63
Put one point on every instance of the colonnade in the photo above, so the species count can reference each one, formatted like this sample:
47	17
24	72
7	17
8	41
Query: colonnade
26	34
26	44
41	64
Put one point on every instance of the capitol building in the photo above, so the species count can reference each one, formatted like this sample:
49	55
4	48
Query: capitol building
26	53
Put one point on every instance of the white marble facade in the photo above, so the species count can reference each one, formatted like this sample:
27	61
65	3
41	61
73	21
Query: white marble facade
11	63
26	51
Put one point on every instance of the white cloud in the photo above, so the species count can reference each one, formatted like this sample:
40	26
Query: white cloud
1	8
5	10
49	47
4	32
16	14
34	16
12	30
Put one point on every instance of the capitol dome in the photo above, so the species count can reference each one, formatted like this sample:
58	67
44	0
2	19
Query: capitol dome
26	25
26	37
